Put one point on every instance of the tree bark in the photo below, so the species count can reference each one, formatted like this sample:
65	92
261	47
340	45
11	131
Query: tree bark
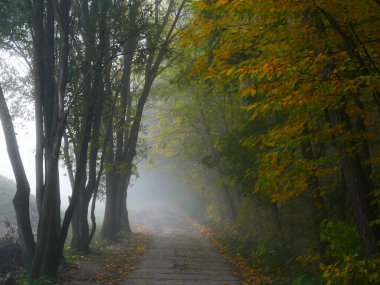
358	184
109	222
21	198
319	212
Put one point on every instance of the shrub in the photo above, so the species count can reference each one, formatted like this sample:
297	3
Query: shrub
344	262
10	252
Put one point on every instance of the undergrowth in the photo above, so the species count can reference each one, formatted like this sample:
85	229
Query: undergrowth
276	264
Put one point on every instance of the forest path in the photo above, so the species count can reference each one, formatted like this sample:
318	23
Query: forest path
178	253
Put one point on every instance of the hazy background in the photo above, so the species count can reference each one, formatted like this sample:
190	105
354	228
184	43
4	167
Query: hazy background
26	144
156	186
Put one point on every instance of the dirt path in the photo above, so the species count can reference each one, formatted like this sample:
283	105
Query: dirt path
178	254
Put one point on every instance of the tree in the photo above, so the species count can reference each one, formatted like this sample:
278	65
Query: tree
154	46
50	117
50	27
297	61
21	199
96	59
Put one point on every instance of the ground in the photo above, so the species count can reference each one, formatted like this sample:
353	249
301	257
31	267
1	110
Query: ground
168	250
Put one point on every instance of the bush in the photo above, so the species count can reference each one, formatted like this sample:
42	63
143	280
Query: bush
352	270
344	261
341	239
10	253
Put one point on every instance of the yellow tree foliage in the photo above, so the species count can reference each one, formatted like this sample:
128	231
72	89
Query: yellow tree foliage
293	62
309	70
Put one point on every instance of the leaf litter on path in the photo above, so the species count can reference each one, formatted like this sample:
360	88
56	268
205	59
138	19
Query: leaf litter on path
108	263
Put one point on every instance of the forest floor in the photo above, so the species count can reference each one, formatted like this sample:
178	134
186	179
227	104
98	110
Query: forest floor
166	248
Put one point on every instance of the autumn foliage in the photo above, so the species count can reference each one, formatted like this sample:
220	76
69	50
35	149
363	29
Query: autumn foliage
298	84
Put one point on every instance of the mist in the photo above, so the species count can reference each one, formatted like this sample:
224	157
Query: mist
157	190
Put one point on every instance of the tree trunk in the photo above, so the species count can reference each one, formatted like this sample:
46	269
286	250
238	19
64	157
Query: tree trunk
317	204
79	224
230	203
122	211
355	174
276	214
45	261
358	184
83	244
21	198
109	222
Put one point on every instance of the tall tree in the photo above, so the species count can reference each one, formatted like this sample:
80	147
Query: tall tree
50	28
96	59
21	199
155	46
50	119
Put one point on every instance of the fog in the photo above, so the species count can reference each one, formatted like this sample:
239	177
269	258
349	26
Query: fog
157	187
157	191
26	144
